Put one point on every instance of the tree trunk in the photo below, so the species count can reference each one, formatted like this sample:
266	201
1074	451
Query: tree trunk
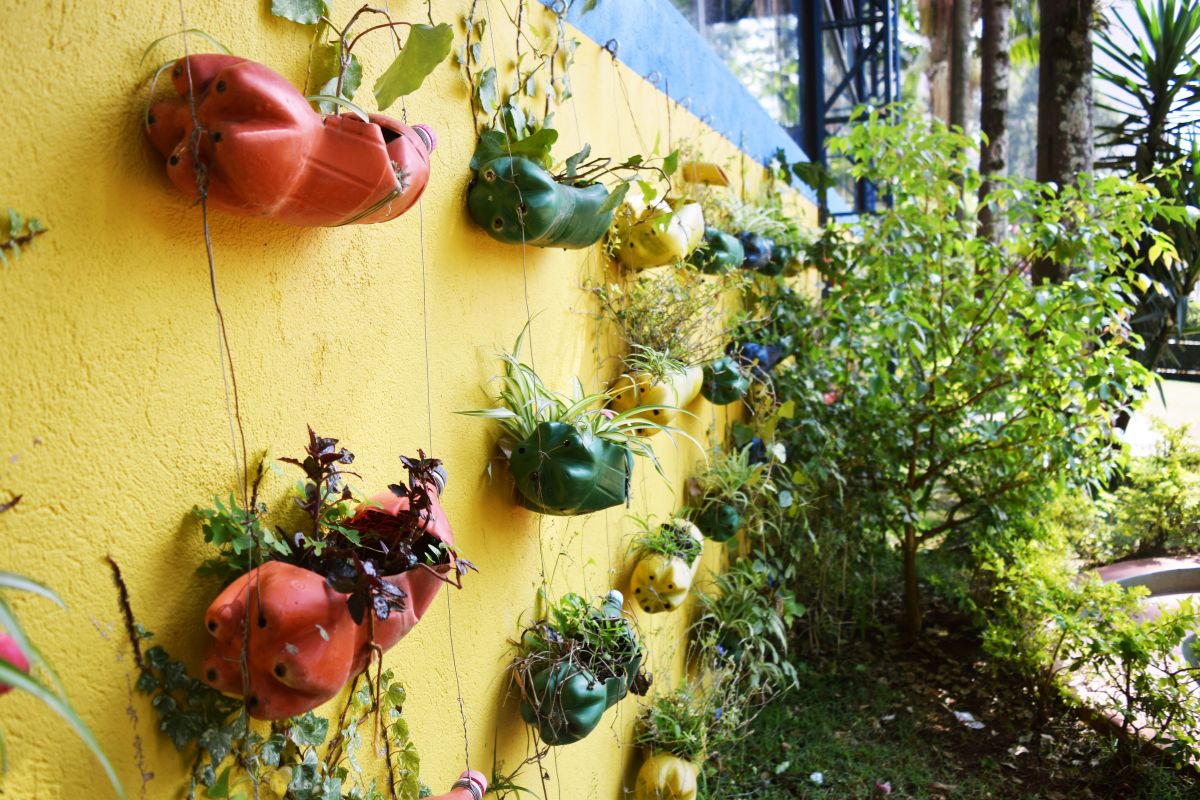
936	24
912	618
993	118
1064	126
960	63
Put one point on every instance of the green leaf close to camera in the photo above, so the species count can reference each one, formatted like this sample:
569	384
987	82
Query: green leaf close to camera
17	679
323	99
615	198
305	12
488	92
189	32
11	580
426	47
326	65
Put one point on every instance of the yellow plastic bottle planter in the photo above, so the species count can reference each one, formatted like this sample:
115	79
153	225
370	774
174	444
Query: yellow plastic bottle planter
704	172
642	389
657	235
661	582
666	777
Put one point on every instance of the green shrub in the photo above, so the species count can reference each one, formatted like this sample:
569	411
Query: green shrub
944	386
1061	630
1156	510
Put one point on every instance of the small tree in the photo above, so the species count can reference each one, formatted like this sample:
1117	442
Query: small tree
981	386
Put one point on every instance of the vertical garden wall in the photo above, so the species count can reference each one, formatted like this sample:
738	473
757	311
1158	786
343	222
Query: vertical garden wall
115	416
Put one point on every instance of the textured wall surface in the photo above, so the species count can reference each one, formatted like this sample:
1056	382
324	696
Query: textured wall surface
114	422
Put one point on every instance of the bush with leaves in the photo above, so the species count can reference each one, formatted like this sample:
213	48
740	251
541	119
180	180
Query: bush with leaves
1092	641
970	386
1156	507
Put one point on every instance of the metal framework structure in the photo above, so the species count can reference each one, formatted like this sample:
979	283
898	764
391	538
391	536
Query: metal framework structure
849	55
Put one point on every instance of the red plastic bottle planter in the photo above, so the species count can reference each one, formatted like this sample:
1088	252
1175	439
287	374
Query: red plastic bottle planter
266	153
303	646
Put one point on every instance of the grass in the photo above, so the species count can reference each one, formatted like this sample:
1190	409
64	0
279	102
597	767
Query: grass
883	715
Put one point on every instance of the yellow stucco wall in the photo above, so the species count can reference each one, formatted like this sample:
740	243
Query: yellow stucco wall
113	420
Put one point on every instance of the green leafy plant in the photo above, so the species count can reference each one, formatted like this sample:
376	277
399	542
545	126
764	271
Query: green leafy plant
1074	635
20	235
299	759
669	320
525	403
744	622
731	479
335	72
578	632
1156	508
970	380
729	476
678	723
670	539
514	126
1150	90
39	679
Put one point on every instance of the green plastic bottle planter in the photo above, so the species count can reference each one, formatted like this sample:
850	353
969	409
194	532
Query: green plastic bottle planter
563	471
571	701
566	702
718	521
724	382
516	201
719	253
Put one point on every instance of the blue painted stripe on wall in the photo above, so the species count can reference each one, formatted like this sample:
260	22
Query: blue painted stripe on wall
652	37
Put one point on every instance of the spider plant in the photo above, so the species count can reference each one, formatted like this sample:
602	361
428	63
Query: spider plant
672	539
744	620
729	477
48	690
525	403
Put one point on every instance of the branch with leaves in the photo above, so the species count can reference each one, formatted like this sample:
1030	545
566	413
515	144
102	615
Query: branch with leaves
21	233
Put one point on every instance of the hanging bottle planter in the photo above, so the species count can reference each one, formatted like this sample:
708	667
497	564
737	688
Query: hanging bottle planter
309	621
518	201
264	151
718	519
666	777
724	382
667	561
705	172
719	252
758	250
564	471
758	358
665	394
780	260
720	496
657	234
568	455
677	729
570	671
